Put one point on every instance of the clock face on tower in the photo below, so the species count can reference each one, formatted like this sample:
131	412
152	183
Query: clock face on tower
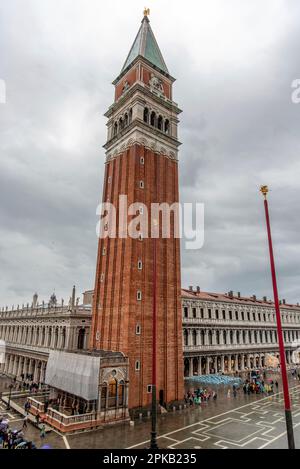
142	164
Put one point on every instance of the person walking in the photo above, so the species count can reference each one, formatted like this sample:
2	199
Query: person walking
25	420
43	431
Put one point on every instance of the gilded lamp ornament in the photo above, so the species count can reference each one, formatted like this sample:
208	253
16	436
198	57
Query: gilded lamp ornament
264	190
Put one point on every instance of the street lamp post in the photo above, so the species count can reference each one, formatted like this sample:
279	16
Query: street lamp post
287	403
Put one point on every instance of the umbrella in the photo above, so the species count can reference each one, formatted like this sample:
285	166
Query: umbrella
46	447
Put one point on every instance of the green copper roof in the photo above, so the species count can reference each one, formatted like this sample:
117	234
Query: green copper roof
145	45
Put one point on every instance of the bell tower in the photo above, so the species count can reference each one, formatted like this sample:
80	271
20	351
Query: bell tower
141	163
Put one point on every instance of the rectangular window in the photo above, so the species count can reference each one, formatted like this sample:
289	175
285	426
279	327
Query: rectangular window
141	184
202	313
185	311
209	314
149	388
137	365
194	313
224	314
140	265
103	251
102	278
139	295
217	314
230	314
138	329
142	160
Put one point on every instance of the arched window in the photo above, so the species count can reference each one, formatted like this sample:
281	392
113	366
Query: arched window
103	396
153	119
81	336
146	115
49	336
121	124
63	338
56	338
130	116
112	392
160	123
126	119
218	337
231	337
167	126
224	337
115	129
185	334
194	337
202	337
121	393
210	337
43	337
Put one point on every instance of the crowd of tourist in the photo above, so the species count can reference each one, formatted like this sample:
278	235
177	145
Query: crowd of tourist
199	395
13	439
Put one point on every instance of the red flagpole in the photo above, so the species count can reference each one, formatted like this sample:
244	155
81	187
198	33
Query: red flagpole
287	401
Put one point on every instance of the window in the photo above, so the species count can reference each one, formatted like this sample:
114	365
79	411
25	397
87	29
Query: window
137	365
194	313
153	119
103	251
230	314
243	316
202	313
217	314
224	314
185	311
141	210
102	277
138	329
167	125
141	237
149	388
209	314
141	184
160	123
109	179
236	315
140	265
142	160
248	316
139	295
146	115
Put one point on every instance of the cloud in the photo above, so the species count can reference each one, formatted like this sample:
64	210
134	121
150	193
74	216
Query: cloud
234	67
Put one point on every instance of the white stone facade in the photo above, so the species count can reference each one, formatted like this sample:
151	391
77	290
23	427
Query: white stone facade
30	332
228	334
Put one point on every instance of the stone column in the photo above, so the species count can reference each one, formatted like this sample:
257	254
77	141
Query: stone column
214	341
189	337
229	363
243	362
198	337
236	363
191	371
216	364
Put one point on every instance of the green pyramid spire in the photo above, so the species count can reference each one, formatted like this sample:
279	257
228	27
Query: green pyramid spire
145	45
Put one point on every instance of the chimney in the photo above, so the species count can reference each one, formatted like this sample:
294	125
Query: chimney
283	301
239	294
191	287
198	289
265	298
254	297
230	294
280	302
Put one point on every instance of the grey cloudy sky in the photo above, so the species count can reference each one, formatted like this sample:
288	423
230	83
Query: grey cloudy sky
234	62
